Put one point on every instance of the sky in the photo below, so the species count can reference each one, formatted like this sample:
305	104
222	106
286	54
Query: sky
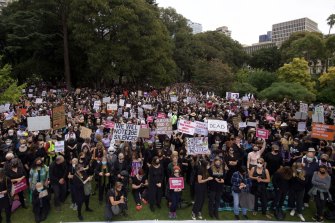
247	19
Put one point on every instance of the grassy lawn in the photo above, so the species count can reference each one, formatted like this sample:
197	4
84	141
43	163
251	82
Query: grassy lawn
68	215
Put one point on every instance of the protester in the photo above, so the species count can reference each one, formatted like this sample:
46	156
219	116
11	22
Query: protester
5	197
155	177
57	174
174	194
40	202
139	187
116	202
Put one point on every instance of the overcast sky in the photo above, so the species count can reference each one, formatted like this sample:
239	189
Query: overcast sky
247	19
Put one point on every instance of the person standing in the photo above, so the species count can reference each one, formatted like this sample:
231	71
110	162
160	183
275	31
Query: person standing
320	191
175	194
202	178
41	202
256	153
215	187
57	174
273	160
103	171
5	191
156	176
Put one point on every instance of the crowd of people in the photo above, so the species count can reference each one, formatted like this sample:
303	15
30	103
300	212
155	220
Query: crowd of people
297	167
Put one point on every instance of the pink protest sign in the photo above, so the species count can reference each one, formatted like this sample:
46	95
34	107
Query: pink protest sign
109	124
161	115
262	133
176	183
150	119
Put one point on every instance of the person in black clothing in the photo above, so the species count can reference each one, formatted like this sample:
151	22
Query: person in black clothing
122	169
239	151
57	175
115	197
215	186
156	176
280	181
40	152
233	164
40	202
103	170
80	178
139	184
16	173
273	160
5	191
71	172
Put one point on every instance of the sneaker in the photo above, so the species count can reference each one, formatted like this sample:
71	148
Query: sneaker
292	213
193	216
301	217
306	205
200	216
237	217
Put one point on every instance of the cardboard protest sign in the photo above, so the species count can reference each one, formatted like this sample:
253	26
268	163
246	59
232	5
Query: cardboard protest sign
186	127
4	108
303	107
85	132
58	117
164	126
300	116
59	146
144	133
201	128
39	101
326	132
139	93
301	126
38	123
126	132
217	125
176	183
97	105
106	100
262	133
197	145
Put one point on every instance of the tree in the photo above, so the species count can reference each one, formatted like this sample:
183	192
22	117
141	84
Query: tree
331	21
280	90
10	92
213	76
328	79
267	59
261	79
296	72
243	88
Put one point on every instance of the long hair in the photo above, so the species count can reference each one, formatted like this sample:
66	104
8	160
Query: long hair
203	167
285	172
215	169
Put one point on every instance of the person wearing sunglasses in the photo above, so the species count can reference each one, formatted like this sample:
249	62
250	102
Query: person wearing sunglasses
261	177
175	194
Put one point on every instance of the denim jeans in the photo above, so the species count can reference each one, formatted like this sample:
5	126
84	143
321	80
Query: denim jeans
237	204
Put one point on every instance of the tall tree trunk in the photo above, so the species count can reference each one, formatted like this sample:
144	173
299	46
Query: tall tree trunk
67	72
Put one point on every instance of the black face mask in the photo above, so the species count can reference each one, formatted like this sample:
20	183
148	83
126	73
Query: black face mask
323	172
323	160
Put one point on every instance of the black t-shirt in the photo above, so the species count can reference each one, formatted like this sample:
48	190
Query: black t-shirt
213	184
137	182
111	193
273	162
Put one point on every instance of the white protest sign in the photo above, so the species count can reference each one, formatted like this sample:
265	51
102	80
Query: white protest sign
242	125
126	132
173	98
197	145
106	100
111	107
4	108
186	127
59	146
319	110
31	90
201	128
96	105
300	116
303	107
39	101
44	93
231	95
217	125
38	123
318	118
140	112
126	114
147	106
121	102
128	105
252	124
301	126
139	93
30	95
164	126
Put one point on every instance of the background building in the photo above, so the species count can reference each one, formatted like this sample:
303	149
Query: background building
196	27
265	37
224	30
257	46
282	31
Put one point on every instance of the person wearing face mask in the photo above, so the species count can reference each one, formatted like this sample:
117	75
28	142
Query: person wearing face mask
58	173
273	159
139	185
103	170
40	202
297	190
40	152
122	168
310	165
261	177
39	173
324	162
5	191
320	191
156	177
17	173
215	186
256	153
174	194
201	179
71	172
116	202
233	164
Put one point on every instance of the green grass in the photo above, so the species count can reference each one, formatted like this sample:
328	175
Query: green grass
68	215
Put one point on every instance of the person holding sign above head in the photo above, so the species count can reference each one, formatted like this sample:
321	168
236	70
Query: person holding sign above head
256	153
174	192
217	171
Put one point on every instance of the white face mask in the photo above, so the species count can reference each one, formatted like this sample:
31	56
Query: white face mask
259	165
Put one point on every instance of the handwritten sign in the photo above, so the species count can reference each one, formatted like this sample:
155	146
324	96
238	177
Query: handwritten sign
126	132
303	107
164	126
262	133
59	146
217	125
176	183
58	117
201	128
197	145
186	127
326	132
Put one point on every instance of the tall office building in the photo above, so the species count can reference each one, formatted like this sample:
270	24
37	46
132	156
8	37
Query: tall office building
265	37
224	30
257	46
196	27
282	31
